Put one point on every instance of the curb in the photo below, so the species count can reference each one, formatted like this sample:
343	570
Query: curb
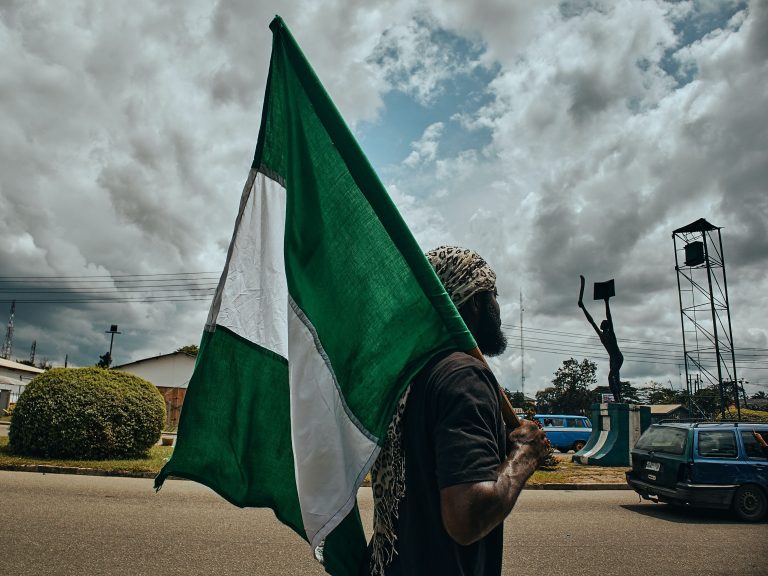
592	486
48	469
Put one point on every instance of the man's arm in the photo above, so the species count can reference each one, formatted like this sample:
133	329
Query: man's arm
471	511
591	321
584	308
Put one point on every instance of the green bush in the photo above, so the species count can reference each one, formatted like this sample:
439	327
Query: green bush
746	414
87	413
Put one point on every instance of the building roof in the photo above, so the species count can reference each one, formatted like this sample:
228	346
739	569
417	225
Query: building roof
152	358
11	365
665	408
700	225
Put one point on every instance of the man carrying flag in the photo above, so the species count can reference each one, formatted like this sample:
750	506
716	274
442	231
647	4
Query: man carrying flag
325	311
450	471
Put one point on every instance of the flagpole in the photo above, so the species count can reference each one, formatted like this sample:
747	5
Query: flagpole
510	418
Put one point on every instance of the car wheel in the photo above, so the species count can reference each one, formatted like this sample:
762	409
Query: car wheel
750	503
578	445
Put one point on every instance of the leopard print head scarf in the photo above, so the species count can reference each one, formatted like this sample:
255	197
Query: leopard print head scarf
463	272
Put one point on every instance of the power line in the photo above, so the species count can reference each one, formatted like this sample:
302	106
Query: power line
596	339
45	278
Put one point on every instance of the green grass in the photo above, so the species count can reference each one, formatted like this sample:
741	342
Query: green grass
565	473
571	473
157	457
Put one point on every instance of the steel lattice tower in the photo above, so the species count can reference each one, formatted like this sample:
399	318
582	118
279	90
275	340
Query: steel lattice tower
8	342
704	311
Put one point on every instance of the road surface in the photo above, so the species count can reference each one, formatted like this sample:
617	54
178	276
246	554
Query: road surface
62	524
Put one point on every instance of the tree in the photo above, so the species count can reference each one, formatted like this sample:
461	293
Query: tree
105	360
569	392
546	400
190	349
44	364
517	399
656	393
629	393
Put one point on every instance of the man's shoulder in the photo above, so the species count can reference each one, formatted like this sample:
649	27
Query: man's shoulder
456	360
459	373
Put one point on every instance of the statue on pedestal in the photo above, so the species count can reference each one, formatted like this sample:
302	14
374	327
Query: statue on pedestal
604	291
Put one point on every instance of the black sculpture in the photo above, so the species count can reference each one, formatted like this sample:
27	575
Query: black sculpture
603	291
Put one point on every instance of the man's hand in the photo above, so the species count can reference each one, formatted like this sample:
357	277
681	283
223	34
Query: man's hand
528	442
471	511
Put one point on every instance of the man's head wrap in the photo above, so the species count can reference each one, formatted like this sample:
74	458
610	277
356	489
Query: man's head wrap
463	272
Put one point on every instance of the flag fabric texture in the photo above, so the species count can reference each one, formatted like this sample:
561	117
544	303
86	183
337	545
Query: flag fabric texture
324	312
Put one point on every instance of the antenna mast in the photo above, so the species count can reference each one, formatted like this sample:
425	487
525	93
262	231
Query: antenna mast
522	349
8	342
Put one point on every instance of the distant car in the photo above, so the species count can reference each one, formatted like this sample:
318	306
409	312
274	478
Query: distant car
703	464
565	431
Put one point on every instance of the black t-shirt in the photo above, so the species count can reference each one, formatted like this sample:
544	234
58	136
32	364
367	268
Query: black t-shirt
453	433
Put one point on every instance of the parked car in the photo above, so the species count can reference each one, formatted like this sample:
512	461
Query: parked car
703	464
565	431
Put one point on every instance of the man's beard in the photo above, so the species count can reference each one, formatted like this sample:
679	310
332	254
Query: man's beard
490	339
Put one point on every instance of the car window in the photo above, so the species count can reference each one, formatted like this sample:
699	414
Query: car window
560	422
751	445
717	444
576	423
666	439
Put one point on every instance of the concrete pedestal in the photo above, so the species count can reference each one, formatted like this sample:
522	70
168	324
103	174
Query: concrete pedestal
615	429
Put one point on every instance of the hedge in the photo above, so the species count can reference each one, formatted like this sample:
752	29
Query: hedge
87	413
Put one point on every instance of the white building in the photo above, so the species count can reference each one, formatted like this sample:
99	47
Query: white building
13	378
170	373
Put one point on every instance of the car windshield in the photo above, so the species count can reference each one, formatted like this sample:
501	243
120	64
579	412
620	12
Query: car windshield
666	439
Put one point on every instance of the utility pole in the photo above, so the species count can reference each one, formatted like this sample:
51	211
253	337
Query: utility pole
8	342
522	350
32	353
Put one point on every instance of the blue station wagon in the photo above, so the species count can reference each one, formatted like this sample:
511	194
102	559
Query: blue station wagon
706	464
565	431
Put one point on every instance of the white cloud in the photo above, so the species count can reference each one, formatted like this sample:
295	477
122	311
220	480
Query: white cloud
425	148
126	133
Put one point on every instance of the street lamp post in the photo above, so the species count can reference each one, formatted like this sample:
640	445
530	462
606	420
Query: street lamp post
112	330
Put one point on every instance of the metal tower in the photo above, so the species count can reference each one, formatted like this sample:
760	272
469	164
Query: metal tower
8	342
704	313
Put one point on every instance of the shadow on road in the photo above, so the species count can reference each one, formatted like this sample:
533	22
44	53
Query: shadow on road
683	514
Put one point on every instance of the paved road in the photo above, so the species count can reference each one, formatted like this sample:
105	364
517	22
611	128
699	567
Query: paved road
60	524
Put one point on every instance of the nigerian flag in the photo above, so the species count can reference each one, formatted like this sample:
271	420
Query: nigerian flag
325	310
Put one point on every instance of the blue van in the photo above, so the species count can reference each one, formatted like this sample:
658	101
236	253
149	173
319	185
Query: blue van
706	464
565	431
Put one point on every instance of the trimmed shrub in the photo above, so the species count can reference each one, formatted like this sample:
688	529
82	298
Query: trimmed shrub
746	414
87	413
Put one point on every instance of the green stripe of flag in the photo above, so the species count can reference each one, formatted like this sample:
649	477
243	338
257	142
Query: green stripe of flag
341	220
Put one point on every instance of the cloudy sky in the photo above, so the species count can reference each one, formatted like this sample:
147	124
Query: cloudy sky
556	138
